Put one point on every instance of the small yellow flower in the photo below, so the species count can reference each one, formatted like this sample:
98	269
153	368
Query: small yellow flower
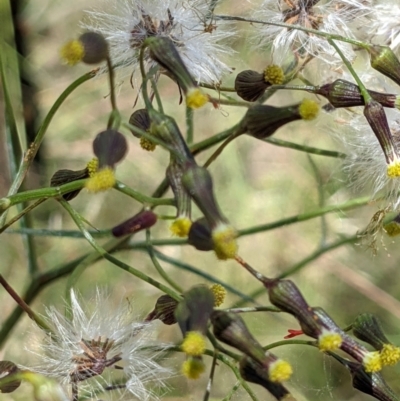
308	109
147	144
194	344
224	239
393	169
279	371
329	341
219	294
274	74
193	368
390	355
195	98
101	180
72	52
92	166
372	362
181	226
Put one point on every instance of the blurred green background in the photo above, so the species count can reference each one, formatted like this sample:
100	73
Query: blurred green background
255	183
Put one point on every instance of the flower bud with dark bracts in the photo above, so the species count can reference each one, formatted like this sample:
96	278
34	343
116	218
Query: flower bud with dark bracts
164	310
253	372
163	50
385	61
140	221
366	327
342	93
261	121
90	48
376	117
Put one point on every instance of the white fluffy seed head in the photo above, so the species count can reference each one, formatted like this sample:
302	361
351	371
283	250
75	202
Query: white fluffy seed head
98	337
342	17
201	41
365	166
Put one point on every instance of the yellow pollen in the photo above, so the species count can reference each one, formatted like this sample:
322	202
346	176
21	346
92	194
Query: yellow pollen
101	181
224	239
390	355
72	52
329	341
393	169
219	294
372	362
92	166
392	229
195	98
193	368
194	344
181	226
274	75
308	109
280	371
147	144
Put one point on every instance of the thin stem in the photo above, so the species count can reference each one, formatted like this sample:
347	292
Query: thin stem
211	377
289	342
253	309
41	193
229	102
158	266
189	125
112	84
34	147
24	306
217	87
305	148
364	92
21	214
222	147
297	27
144	199
157	95
78	221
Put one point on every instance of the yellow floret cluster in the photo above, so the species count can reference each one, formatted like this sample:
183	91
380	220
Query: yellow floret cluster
308	109
193	368
390	355
195	98
72	52
274	75
219	293
194	343
101	180
280	371
181	226
329	341
224	239
393	169
372	362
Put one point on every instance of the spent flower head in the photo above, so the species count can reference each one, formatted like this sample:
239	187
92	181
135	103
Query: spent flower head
99	336
341	17
198	38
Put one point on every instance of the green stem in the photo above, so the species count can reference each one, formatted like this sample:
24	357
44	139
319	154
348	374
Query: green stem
144	199
157	265
31	152
78	221
297	267
189	125
112	84
289	342
306	216
365	94
253	309
217	88
305	148
297	27
229	102
21	214
42	193
24	306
